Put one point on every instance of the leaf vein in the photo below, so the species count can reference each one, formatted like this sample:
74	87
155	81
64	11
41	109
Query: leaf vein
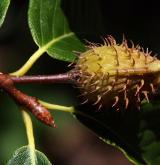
53	20
40	22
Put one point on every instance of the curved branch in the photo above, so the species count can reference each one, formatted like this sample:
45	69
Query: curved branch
29	102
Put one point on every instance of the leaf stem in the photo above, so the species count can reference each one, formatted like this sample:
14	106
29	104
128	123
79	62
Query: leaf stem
28	64
38	54
29	130
70	109
57	107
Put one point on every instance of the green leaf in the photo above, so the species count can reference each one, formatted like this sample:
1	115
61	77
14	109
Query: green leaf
135	133
23	156
4	4
47	24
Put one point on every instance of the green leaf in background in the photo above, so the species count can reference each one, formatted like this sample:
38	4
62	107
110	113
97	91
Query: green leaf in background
135	133
22	156
4	4
47	24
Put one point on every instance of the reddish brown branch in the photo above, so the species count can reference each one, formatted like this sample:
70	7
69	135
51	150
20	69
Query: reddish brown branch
42	79
30	103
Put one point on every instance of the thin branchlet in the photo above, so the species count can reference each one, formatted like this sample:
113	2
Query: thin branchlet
42	79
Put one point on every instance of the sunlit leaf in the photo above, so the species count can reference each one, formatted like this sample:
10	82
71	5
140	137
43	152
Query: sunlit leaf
4	4
23	156
50	30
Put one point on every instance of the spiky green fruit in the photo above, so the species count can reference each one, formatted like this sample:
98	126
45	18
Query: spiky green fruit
116	75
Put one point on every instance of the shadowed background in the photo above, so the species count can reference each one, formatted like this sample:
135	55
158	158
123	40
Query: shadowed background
71	143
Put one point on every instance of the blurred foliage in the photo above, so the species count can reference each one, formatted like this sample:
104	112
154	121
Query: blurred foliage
135	132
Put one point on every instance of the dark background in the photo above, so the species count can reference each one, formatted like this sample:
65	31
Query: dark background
71	143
